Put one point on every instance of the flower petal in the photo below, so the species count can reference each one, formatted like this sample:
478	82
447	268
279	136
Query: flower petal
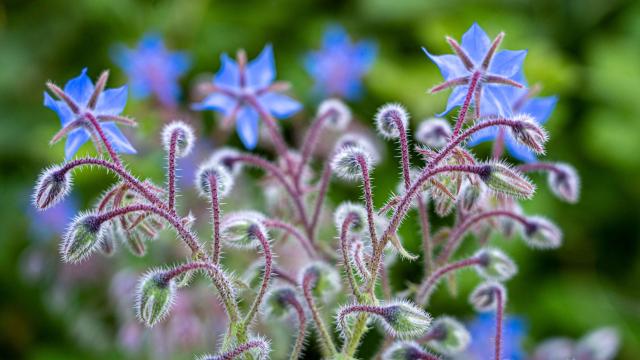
262	70
450	65
507	63
364	53
495	101
229	74
455	99
280	106
518	150
216	101
540	108
63	111
335	36
247	126
486	134
80	88
179	62
75	140
116	137
476	42
112	101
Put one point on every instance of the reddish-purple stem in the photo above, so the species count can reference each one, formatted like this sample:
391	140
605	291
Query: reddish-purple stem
215	214
322	192
475	78
539	166
306	244
239	350
103	137
266	276
425	290
310	141
344	246
499	318
171	171
368	199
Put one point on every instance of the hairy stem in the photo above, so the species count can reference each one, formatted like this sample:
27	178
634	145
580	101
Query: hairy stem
308	281
215	214
344	244
171	170
427	286
266	276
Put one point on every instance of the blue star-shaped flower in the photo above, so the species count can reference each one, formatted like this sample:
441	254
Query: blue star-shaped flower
520	101
338	67
478	59
482	330
80	99
241	90
152	69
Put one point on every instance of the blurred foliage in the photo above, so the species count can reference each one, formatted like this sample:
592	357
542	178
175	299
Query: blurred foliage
586	51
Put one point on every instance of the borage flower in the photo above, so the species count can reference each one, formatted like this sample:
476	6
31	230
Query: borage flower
245	92
478	64
338	67
483	346
81	102
153	69
520	101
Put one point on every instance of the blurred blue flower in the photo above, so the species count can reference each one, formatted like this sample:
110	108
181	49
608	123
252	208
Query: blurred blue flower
520	101
107	107
482	330
240	91
43	225
476	55
153	69
338	67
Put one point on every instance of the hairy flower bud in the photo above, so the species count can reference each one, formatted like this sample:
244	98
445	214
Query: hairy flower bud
434	133
325	279
277	302
361	141
338	114
601	344
495	265
225	157
448	336
257	348
239	229
501	178
485	296
565	183
359	218
52	186
183	135
406	350
346	162
404	319
528	133
212	170
82	238
108	245
540	233
154	297
470	196
386	120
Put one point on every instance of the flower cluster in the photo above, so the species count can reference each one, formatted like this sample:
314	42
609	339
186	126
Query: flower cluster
352	270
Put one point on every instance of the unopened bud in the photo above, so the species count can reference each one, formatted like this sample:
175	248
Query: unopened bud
434	133
554	349
338	114
470	196
528	133
387	119
278	301
601	344
108	245
182	134
211	170
448	336
404	319
565	183
485	297
325	280
226	158
347	162
501	178
52	186
155	295
240	230
406	350
358	215
495	265
82	238
352	139
256	348
540	233
134	241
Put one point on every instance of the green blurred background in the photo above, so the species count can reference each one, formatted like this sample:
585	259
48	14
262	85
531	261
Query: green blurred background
586	51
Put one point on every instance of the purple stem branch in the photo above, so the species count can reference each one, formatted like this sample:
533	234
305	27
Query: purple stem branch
426	288
290	229
171	171
103	137
215	214
499	318
266	276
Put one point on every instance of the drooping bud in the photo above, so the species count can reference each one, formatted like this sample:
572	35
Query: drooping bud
212	170
338	114
600	344
565	183
387	117
52	186
258	348
277	302
470	196
406	350
528	133
182	134
82	238
503	179
155	295
239	229
540	233
554	349
485	296
400	318
495	265
359	218
361	141
434	133
346	162
225	157
108	245
448	336
325	279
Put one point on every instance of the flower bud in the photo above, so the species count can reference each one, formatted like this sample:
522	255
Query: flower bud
239	230
540	233
184	138
501	178
338	114
133	239
225	157
434	133
406	350
82	238
528	133
358	223
601	344
108	245
352	139
155	295
208	171
386	120
52	186
325	279
403	319
485	296
495	265
470	196
256	348
554	349
448	336
346	162
565	183
277	302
